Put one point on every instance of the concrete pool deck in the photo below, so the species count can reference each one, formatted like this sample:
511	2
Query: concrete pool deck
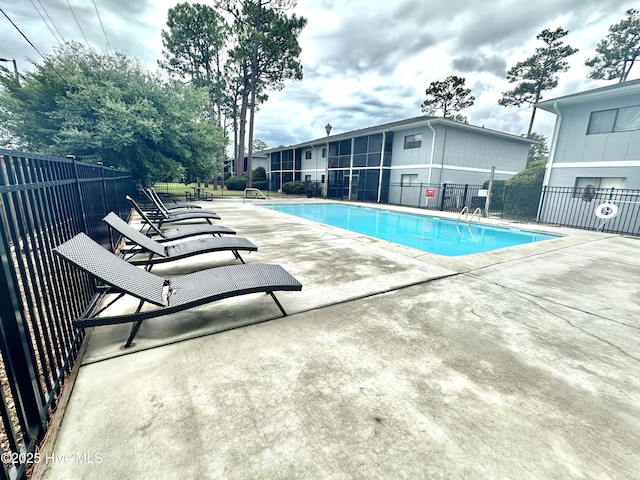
393	363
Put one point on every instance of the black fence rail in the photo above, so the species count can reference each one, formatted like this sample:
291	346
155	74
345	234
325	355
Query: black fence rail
612	210
561	206
43	202
448	197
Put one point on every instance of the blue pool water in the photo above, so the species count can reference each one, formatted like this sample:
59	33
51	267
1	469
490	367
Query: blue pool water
431	234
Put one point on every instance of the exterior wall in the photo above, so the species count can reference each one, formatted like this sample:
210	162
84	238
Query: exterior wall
314	166
260	161
460	155
566	177
412	157
574	145
475	151
576	154
598	157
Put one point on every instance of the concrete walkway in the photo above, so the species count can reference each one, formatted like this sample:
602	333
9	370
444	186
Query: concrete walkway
522	363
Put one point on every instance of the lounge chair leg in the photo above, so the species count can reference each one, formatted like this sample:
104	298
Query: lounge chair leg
134	330
135	327
120	295
237	255
284	314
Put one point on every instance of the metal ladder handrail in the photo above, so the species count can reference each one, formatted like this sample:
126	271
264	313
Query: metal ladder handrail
244	195
477	213
464	211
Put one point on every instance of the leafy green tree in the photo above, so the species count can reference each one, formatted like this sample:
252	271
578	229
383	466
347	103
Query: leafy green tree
259	145
194	49
267	44
449	97
538	151
108	108
617	53
237	80
537	73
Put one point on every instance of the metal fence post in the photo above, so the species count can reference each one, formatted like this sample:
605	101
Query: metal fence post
444	196
83	213
104	190
487	204
543	195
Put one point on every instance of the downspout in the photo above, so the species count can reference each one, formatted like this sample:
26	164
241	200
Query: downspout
554	142
326	170
384	142
444	151
433	151
552	155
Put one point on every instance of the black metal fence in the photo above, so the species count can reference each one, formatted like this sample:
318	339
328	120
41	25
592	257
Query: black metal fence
44	202
612	210
561	206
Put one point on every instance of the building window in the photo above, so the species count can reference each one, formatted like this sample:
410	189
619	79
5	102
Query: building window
307	155
413	141
616	120
409	179
324	153
598	183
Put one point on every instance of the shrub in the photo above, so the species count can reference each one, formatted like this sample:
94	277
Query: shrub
258	175
260	184
294	188
236	183
532	175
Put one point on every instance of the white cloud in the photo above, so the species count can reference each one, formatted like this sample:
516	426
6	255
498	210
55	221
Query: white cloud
365	62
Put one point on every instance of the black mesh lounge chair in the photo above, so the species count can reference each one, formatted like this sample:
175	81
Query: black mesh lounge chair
158	253
172	294
162	215
155	198
152	230
156	208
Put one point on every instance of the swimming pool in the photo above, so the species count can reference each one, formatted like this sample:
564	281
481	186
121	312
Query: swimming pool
430	234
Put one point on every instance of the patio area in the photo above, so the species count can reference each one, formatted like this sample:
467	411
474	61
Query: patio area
393	363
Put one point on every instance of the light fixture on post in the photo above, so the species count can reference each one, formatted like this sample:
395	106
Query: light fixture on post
15	67
325	187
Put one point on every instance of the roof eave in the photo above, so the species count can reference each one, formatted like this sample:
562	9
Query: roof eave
608	91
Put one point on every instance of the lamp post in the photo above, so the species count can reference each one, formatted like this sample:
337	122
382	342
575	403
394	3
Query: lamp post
15	67
327	129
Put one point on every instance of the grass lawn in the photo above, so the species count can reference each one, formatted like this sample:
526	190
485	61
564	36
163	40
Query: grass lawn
180	190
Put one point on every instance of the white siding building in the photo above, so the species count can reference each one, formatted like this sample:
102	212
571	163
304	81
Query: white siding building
371	164
595	151
596	138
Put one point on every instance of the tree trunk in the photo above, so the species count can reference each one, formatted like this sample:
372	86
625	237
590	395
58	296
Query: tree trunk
252	110
239	163
533	116
254	88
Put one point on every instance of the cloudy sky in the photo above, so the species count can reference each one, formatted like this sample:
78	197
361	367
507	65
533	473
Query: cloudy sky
366	62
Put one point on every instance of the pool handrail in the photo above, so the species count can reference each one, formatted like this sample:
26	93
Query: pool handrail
250	189
464	211
477	213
